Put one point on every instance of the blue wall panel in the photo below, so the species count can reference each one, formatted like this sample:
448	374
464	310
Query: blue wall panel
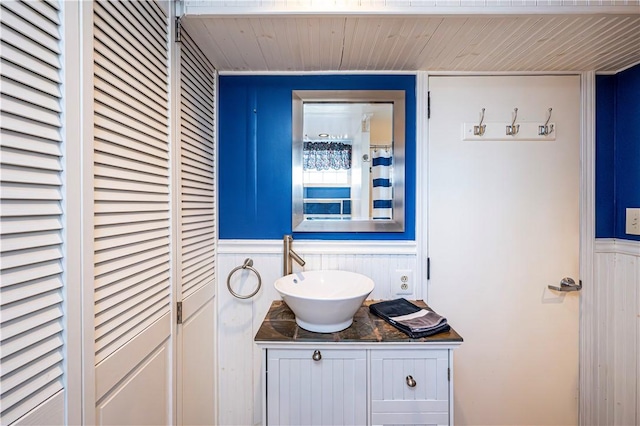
617	151
627	147
605	133
255	152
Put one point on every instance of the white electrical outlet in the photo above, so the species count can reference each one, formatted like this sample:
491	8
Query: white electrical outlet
633	222
402	282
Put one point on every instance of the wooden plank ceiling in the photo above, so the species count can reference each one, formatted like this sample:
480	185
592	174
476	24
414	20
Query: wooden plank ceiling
506	43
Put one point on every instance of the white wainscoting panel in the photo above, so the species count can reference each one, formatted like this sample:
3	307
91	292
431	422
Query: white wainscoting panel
240	360
613	326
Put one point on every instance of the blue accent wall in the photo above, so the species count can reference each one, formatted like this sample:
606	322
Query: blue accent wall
255	152
617	151
605	137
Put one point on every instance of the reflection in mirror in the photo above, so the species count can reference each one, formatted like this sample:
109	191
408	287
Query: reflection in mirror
348	161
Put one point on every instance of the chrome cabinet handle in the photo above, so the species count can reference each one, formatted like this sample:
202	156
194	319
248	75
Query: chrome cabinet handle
411	382
317	356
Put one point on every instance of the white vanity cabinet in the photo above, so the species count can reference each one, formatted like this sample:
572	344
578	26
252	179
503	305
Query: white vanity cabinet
319	387
374	384
368	374
410	386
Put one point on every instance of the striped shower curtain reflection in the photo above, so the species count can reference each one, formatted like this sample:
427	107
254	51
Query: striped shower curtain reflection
382	192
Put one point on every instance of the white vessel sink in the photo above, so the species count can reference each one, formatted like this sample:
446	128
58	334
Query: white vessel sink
324	301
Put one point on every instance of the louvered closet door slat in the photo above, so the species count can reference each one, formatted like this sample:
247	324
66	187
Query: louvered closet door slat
193	104
131	172
112	108
30	161
192	145
192	64
115	293
34	112
119	317
124	229
115	54
141	16
48	103
34	239
194	215
15	363
197	184
118	158
15	293
15	174
31	215
194	132
124	94
106	166
195	264
14	72
114	241
133	326
15	124
197	223
13	54
194	168
127	252
109	131
113	304
152	49
198	233
33	272
29	144
22	41
33	13
192	138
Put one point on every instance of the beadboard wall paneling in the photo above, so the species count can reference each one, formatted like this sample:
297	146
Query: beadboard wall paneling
613	321
239	320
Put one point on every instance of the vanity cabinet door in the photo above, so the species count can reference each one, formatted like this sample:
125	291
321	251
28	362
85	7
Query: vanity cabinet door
410	387
329	388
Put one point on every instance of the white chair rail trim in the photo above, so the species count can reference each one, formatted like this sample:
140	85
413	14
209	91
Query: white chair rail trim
319	247
615	245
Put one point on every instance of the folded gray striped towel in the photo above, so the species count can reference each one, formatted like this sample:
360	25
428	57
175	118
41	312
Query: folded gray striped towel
409	318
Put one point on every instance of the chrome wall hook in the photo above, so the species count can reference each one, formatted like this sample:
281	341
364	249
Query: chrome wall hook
514	128
546	129
480	128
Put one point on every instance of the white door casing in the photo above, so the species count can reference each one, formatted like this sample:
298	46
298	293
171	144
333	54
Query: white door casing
504	224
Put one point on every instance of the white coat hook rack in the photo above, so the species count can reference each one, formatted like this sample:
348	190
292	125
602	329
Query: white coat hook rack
480	128
514	128
546	129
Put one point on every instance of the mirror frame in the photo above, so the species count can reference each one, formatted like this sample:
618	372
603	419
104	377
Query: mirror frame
299	98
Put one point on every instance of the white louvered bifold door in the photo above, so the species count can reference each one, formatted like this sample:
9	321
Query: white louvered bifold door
132	207
31	262
197	208
131	166
197	236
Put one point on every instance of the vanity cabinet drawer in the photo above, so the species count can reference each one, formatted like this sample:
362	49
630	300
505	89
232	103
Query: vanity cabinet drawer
316	386
410	387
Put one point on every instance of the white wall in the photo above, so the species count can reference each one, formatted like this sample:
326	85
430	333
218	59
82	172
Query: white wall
612	324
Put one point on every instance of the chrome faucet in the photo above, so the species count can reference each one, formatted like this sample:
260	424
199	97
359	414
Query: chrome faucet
289	254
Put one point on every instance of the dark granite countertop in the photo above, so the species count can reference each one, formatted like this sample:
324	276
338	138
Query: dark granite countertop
280	326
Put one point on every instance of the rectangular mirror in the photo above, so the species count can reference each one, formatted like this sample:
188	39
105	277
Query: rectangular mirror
348	160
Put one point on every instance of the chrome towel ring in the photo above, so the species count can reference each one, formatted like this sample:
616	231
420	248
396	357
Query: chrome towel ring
248	264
